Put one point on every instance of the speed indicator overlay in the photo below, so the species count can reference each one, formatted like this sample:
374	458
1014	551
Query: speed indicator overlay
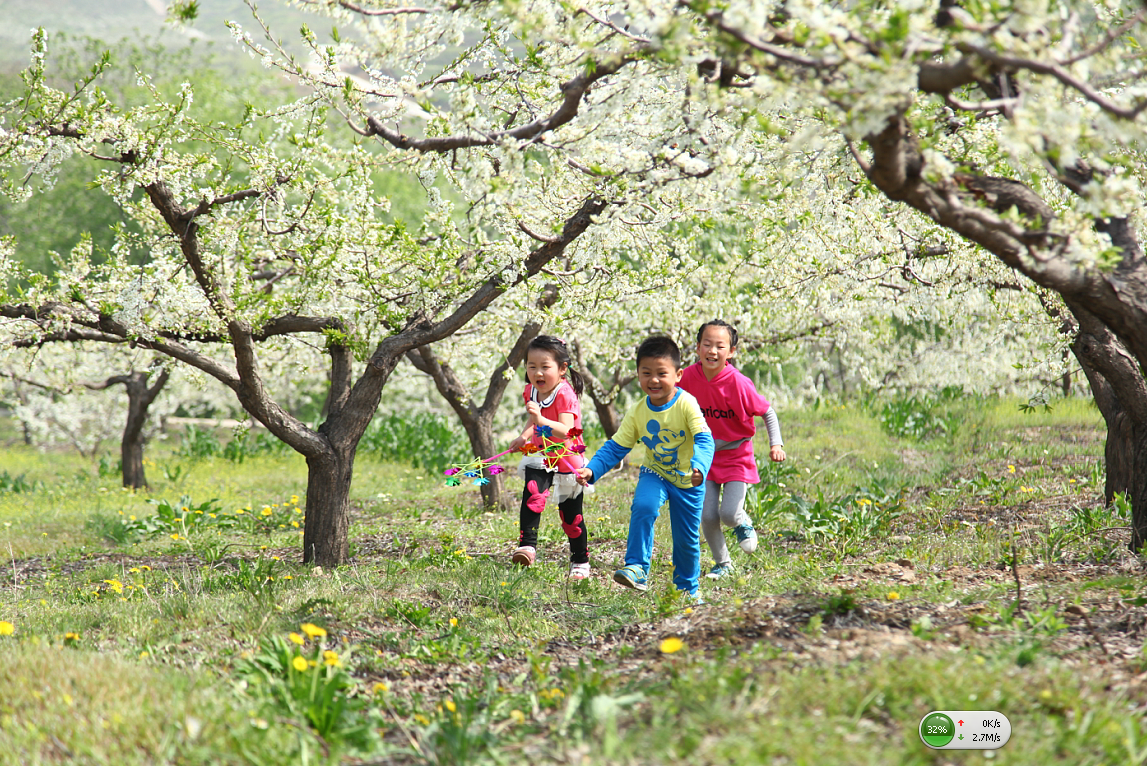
965	730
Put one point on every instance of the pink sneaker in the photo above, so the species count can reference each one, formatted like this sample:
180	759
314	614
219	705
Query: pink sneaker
524	556
579	571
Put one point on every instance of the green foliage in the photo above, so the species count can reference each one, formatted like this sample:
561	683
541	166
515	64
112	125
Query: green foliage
923	416
202	443
18	483
855	516
424	440
256	578
311	685
179	518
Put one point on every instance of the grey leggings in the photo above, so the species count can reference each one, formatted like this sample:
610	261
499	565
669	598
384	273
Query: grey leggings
724	507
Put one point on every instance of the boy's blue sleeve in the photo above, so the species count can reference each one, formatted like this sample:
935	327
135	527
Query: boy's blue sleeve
609	456
703	448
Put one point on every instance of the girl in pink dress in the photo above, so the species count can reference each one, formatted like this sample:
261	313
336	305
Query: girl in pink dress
551	398
730	403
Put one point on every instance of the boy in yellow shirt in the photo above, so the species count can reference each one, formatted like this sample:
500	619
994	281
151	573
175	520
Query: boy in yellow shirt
679	451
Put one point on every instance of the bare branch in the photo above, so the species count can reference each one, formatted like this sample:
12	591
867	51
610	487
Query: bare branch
611	25
381	11
1111	36
716	18
1065	77
572	93
538	237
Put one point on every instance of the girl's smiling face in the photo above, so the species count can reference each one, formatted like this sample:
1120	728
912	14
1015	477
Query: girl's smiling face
543	371
714	349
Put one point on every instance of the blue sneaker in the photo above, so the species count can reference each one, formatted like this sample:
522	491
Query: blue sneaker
746	536
720	570
632	576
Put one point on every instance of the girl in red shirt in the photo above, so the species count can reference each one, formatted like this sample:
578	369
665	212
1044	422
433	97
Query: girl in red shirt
729	402
552	406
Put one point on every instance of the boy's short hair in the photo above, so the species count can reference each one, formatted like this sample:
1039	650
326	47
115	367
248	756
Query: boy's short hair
659	347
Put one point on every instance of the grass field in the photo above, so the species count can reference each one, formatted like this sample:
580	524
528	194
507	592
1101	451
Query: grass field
974	569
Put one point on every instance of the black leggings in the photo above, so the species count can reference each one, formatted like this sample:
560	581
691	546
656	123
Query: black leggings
569	510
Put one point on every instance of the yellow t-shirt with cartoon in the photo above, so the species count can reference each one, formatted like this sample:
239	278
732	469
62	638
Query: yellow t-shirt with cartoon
676	438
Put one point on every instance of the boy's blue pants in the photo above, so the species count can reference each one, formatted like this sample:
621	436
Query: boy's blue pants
684	518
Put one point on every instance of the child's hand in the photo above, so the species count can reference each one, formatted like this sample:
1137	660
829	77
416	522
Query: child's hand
777	453
517	444
582	476
698	477
534	410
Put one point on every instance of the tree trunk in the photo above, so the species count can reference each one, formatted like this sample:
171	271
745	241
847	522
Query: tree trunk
327	526
607	415
1120	394
139	399
604	401
480	431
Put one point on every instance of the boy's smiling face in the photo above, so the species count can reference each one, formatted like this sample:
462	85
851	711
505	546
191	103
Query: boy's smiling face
658	377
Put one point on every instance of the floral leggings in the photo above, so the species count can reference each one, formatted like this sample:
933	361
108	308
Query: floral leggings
534	496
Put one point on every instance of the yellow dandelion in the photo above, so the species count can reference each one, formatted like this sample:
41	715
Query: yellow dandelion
380	688
294	499
517	716
144	655
296	638
671	645
451	706
331	658
454	622
314	631
239	511
174	535
145	567
6	628
295	524
266	510
288	577
299	663
893	596
1011	469
422	719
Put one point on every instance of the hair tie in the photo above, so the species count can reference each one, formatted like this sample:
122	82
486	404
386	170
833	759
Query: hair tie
559	340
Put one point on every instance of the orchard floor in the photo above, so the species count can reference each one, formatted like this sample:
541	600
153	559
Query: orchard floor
971	572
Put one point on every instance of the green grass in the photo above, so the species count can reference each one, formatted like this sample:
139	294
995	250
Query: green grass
887	591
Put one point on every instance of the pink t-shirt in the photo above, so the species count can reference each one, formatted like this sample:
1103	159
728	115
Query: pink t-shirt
561	399
729	402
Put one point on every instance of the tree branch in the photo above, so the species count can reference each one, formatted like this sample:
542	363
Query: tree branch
572	93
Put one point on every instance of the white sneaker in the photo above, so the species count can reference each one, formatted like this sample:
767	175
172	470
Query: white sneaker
579	571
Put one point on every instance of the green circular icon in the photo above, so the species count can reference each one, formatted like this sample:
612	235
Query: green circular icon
937	729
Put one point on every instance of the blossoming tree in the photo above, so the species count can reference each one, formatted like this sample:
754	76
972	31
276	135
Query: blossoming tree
1014	125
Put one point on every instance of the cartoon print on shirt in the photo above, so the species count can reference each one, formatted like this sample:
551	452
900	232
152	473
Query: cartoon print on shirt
663	445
